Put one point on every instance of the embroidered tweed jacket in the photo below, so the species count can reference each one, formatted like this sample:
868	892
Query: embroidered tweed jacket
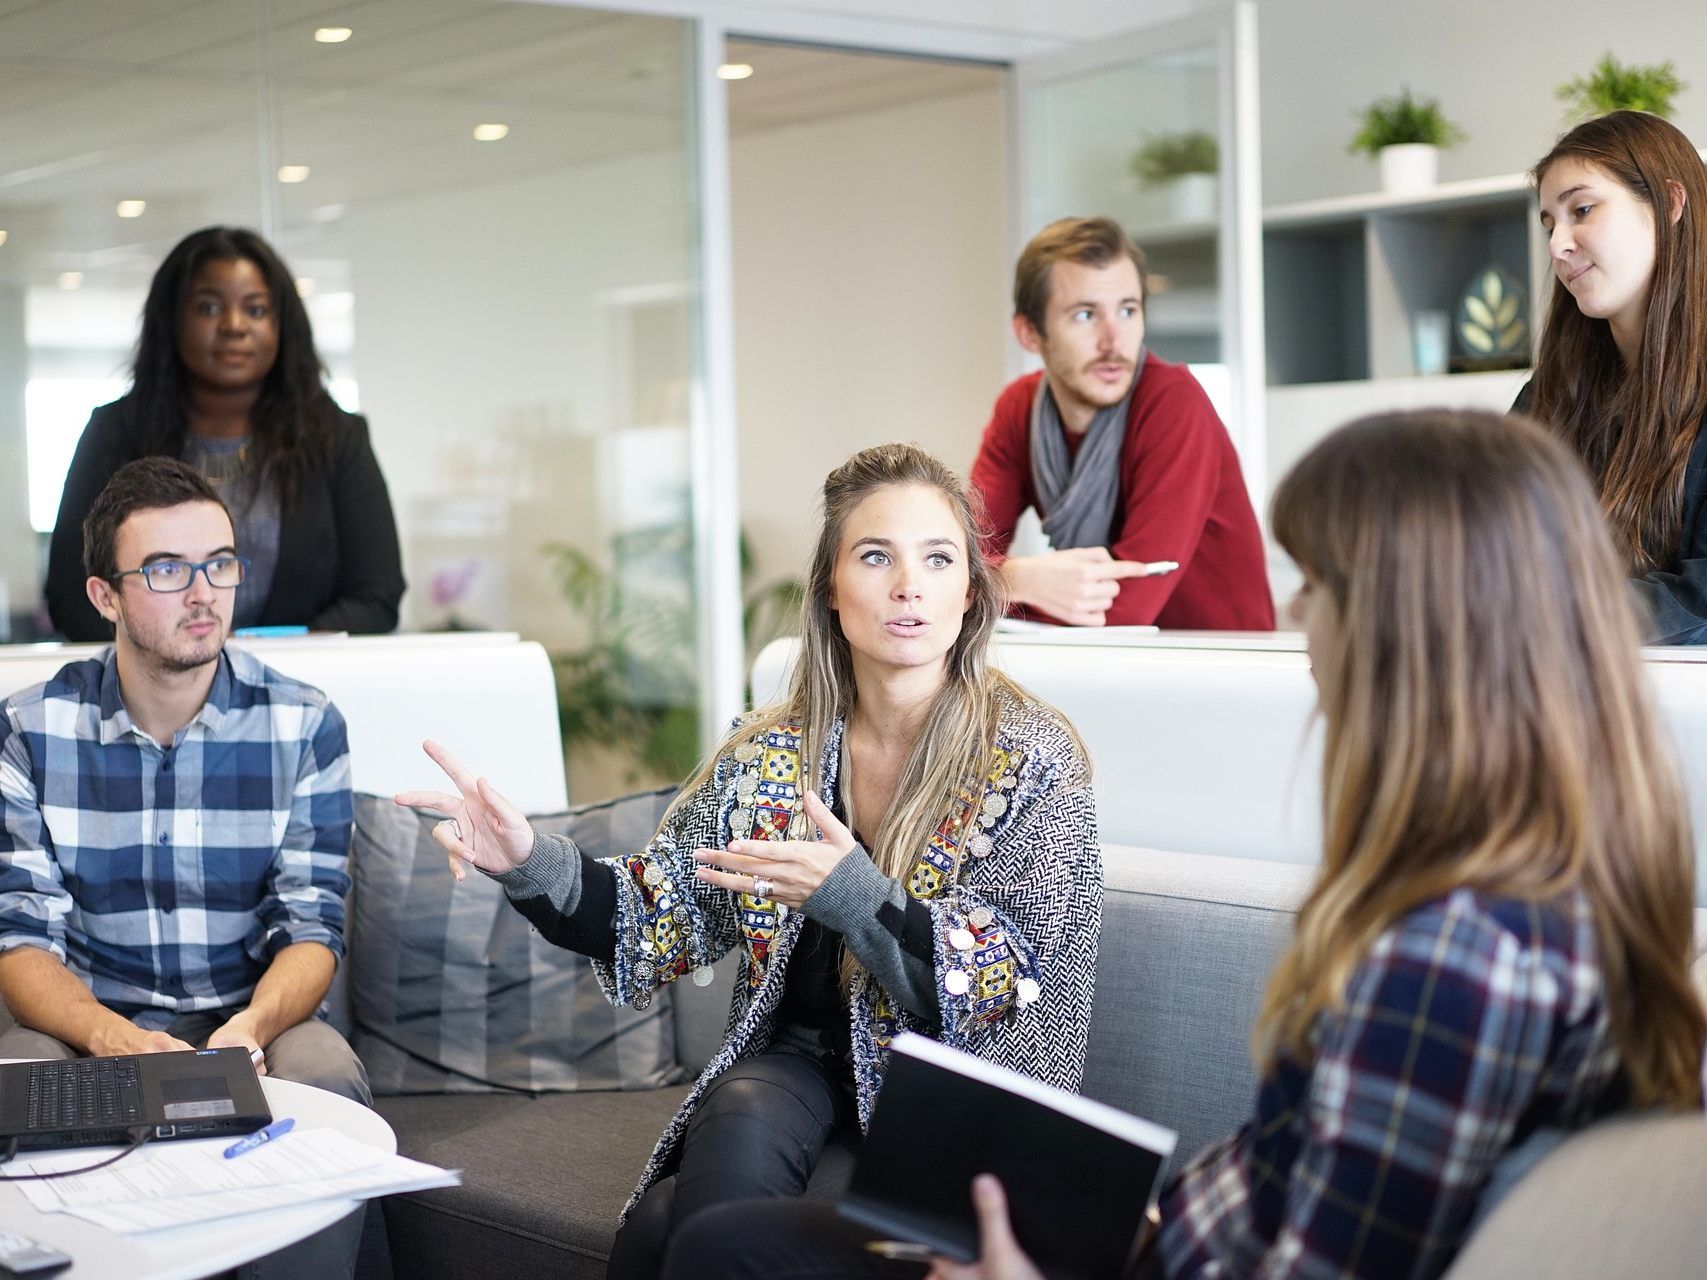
1015	939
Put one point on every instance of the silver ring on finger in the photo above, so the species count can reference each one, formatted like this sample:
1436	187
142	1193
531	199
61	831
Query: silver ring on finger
762	887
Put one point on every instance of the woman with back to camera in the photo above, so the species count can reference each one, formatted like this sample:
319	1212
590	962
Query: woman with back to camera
1497	944
906	842
226	378
1622	370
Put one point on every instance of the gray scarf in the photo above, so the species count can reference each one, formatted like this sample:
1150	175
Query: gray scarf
1077	498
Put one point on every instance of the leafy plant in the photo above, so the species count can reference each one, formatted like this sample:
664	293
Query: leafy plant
1389	122
633	685
1166	157
1612	86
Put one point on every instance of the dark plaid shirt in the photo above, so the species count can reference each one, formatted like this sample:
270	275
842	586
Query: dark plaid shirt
167	878
1471	1023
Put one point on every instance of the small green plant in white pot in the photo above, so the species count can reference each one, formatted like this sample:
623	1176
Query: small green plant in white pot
1406	135
1612	86
1187	166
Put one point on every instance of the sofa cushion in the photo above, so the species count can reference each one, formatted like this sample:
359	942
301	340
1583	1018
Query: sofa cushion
543	1180
454	991
1188	941
1621	1198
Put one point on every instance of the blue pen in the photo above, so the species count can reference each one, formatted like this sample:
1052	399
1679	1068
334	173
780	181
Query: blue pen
262	633
260	1136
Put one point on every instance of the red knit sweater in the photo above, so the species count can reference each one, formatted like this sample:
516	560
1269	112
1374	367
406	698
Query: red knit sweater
1182	498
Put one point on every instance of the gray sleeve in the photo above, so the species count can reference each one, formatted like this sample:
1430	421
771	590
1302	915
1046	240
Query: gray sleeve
552	871
852	901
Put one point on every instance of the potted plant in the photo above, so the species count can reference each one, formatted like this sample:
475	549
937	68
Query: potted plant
629	695
1406	134
1187	166
1611	86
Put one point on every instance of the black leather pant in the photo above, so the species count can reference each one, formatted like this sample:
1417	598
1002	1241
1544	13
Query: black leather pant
756	1134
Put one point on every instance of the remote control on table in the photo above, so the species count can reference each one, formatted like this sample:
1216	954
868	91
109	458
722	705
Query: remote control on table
23	1257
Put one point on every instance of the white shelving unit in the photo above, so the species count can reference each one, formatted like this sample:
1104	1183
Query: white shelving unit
1343	279
1346	277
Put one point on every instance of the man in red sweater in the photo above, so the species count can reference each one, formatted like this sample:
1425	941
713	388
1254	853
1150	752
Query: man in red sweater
1121	454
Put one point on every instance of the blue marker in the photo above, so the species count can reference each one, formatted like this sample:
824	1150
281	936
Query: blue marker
266	632
260	1136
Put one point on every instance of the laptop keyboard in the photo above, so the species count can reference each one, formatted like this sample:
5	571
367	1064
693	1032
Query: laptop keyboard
84	1092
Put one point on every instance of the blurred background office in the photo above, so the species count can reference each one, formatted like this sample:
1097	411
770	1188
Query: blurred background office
616	286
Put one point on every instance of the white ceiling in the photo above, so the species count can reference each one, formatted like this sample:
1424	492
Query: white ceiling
103	100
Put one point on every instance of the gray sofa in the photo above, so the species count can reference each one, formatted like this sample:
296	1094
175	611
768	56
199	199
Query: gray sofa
1188	940
1187	943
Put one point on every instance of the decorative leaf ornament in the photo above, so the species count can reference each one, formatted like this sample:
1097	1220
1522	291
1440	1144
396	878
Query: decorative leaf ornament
1491	323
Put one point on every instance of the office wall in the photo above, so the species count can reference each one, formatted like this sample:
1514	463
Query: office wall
871	286
1493	67
496	377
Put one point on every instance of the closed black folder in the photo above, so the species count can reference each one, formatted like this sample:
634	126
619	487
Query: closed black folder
1079	1174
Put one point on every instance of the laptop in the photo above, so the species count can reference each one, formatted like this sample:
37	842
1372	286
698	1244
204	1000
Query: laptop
197	1093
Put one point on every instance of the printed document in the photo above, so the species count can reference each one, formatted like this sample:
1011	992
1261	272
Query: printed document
183	1182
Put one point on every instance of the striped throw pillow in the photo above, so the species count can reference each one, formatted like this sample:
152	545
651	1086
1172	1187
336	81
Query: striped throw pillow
451	989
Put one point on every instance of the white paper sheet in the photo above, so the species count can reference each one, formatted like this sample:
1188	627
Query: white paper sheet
178	1183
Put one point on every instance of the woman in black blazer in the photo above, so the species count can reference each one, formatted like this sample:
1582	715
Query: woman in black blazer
226	378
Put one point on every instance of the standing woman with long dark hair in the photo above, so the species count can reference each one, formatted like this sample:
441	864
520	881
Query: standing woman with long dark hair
226	378
1622	370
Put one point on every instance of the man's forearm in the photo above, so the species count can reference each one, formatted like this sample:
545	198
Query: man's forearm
43	995
1016	578
289	991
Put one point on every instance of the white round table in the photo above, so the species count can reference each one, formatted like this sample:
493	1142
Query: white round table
186	1253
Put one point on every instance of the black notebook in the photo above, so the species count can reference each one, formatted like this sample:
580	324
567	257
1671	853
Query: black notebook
1079	1174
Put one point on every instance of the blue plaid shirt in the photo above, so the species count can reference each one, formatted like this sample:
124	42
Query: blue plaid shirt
167	878
1472	1022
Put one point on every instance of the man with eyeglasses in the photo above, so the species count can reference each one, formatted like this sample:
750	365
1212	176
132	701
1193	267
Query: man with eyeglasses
174	815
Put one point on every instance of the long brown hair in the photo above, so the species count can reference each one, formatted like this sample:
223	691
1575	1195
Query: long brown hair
1487	720
1634	427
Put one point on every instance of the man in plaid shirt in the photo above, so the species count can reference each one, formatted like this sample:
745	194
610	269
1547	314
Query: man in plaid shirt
174	817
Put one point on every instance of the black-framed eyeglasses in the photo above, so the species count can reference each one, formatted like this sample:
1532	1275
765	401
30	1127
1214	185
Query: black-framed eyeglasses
224	572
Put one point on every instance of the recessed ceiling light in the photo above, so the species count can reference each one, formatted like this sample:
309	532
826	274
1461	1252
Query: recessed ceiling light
132	208
293	173
735	71
2	237
70	279
304	286
332	35
491	132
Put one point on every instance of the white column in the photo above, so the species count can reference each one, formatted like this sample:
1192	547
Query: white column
716	497
20	584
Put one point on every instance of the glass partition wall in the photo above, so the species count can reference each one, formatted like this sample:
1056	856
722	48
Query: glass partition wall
490	211
1158	128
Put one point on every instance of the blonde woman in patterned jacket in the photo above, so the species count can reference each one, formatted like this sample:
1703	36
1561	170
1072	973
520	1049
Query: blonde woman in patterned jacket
908	842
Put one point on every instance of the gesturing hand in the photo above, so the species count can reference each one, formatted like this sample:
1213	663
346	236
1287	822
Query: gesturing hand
999	1254
791	870
481	826
1076	586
